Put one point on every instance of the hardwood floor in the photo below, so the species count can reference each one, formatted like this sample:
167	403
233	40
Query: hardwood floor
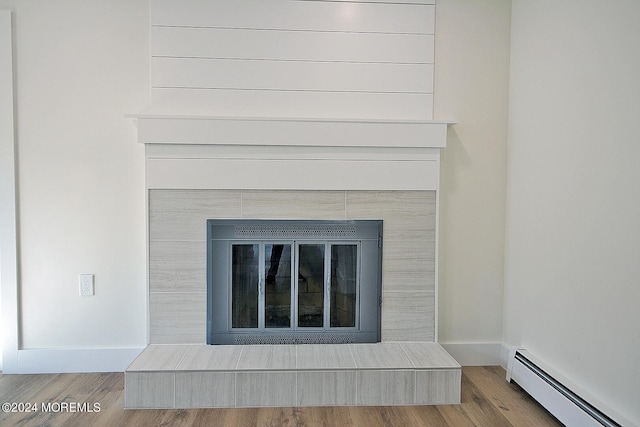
487	400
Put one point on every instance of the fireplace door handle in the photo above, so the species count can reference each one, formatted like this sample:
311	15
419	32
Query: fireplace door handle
328	297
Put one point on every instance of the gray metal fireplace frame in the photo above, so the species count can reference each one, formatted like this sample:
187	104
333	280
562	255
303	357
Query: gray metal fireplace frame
222	233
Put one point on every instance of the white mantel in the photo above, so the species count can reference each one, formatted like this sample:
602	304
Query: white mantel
215	152
324	132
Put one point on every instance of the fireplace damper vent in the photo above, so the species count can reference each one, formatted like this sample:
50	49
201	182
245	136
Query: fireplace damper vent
295	338
287	282
293	231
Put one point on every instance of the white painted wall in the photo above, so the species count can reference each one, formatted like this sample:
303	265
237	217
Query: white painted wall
572	237
572	263
471	87
81	66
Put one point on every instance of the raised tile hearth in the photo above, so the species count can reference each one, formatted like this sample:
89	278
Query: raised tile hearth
202	376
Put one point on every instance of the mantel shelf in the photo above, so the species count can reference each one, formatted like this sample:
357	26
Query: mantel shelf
144	116
281	131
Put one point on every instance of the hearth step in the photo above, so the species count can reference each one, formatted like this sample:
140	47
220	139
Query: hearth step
228	376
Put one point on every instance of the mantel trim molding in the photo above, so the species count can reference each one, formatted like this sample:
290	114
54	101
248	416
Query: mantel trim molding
212	152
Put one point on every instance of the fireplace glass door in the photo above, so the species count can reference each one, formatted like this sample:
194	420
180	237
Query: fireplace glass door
311	285
322	277
293	283
277	286
244	292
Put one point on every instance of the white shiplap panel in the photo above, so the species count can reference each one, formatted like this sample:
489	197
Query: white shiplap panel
309	174
206	151
290	45
251	103
291	75
295	15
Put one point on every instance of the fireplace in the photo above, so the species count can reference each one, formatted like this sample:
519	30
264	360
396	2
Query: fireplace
289	114
178	248
293	281
260	118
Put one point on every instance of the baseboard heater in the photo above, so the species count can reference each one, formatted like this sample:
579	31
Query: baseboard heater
553	393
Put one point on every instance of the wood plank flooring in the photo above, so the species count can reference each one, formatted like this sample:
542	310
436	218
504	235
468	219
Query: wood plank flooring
487	400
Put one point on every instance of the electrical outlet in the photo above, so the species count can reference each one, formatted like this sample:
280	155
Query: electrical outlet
86	285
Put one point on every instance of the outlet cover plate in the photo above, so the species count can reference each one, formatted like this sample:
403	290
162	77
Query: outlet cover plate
86	285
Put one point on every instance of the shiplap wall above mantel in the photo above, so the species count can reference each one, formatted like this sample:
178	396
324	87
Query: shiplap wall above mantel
343	86
293	58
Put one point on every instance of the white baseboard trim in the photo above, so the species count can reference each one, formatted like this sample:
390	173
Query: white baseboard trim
478	354
47	361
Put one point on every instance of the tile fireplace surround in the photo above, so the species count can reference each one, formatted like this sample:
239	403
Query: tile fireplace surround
200	168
